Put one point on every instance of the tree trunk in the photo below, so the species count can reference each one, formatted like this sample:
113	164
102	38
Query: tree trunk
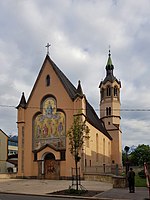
76	166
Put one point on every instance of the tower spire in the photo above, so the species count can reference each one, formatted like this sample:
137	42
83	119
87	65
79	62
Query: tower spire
22	102
110	109
79	88
109	66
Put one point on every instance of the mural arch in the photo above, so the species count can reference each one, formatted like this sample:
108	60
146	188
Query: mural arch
49	126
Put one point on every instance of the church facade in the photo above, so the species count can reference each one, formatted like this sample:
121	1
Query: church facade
45	118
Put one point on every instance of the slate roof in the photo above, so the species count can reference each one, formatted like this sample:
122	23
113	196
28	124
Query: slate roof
70	88
109	72
93	119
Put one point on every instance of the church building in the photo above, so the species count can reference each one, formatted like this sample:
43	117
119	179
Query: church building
45	118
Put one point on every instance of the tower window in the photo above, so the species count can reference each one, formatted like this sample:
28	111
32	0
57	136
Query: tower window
102	93
47	80
115	91
108	91
108	111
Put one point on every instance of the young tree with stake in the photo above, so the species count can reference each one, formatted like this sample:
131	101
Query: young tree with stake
77	133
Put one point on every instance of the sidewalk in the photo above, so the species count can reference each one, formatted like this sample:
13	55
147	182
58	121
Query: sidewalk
119	193
44	187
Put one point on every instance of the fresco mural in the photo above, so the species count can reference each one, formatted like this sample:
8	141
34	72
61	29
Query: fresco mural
49	127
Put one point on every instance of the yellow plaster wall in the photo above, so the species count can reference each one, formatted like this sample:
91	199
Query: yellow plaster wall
63	101
91	151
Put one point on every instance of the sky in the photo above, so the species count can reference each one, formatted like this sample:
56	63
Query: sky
80	33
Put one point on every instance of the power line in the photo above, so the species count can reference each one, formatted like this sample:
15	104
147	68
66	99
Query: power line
97	109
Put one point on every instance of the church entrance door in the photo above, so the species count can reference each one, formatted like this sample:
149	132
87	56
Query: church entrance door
52	167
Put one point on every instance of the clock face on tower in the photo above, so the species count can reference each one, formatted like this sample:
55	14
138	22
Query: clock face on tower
49	126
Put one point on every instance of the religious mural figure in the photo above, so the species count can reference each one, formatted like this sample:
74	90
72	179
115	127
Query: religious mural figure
49	127
45	130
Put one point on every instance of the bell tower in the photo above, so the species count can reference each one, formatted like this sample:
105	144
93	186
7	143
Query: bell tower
110	110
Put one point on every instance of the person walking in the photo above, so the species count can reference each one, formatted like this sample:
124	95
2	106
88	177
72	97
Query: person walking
131	180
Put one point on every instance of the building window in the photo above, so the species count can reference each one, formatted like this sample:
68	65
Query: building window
108	91
96	147
109	149
108	111
47	80
102	93
103	150
90	163
115	91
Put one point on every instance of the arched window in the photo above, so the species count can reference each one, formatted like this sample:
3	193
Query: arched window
115	91
103	150
108	111
47	80
108	91
96	147
49	156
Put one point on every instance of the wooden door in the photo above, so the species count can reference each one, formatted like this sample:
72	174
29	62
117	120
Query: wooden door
52	169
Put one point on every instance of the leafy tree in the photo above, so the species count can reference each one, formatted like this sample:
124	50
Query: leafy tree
140	155
76	134
123	158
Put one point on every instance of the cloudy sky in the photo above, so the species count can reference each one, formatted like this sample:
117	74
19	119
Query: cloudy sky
80	32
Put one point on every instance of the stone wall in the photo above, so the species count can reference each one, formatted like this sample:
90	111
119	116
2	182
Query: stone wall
5	176
117	181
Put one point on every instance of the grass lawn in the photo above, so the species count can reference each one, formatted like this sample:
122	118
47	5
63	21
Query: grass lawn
140	182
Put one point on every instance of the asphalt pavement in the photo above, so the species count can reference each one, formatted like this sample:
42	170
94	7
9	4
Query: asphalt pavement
46	187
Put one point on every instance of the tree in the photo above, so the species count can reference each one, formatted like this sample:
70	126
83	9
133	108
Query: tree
123	158
76	134
140	155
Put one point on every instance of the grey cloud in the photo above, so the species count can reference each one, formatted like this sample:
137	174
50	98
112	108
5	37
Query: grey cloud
79	33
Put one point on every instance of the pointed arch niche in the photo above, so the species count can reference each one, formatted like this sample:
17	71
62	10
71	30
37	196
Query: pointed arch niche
49	126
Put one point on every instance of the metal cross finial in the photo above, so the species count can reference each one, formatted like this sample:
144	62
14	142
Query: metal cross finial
109	51
47	46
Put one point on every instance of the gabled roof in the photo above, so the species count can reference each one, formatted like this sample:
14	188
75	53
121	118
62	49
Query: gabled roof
70	88
3	132
73	93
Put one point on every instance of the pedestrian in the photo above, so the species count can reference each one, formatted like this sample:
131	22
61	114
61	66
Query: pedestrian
131	180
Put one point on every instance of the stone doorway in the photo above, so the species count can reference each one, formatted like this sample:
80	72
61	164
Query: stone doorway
51	167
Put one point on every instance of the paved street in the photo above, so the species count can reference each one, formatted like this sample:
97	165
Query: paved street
28	197
41	189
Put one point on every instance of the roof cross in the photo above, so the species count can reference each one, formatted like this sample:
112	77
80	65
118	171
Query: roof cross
47	46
